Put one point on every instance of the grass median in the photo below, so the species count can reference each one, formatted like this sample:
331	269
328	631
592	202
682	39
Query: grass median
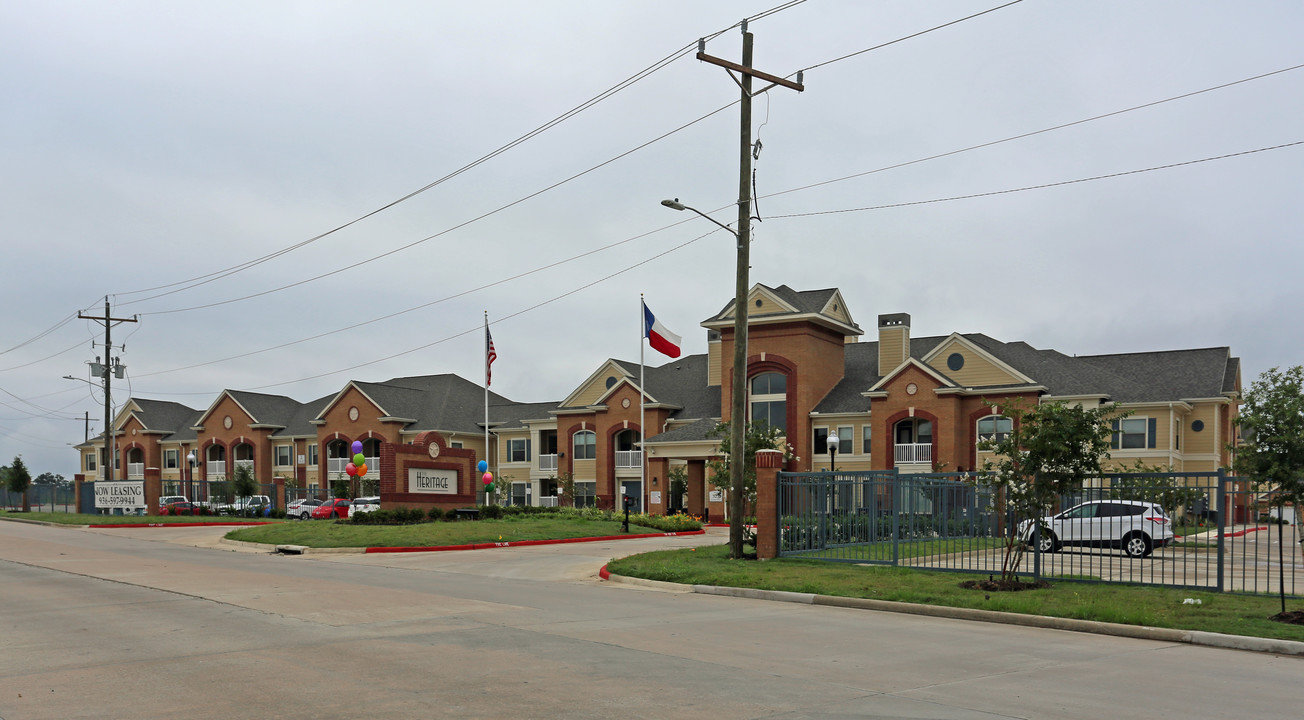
1233	614
332	534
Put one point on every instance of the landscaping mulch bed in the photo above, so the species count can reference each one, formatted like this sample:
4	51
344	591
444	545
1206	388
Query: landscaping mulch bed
1290	617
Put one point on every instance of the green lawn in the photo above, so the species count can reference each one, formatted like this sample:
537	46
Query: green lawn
76	519
329	534
1127	604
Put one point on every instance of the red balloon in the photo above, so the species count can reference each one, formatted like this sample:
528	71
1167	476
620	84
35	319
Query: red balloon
351	469
487	478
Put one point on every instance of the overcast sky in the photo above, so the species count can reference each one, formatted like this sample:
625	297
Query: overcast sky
147	144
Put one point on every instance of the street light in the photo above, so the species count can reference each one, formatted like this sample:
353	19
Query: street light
738	392
190	458
676	205
833	449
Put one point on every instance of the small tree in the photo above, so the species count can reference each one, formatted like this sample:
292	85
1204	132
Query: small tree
18	479
244	484
1155	484
340	487
1271	456
566	481
1050	450
758	436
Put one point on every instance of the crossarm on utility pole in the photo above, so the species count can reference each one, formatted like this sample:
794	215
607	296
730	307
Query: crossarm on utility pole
772	79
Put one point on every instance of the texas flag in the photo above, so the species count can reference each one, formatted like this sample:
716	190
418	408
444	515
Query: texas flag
661	339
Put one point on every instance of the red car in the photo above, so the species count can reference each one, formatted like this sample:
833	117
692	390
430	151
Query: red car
337	508
179	508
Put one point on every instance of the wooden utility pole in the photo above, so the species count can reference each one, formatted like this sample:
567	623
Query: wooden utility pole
106	371
738	396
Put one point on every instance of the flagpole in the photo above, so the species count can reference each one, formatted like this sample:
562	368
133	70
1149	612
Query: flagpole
486	397
642	405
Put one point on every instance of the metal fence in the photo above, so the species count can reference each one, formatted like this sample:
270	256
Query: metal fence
47	498
1190	530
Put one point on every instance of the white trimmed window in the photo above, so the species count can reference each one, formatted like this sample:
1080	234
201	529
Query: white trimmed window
90	462
312	454
769	399
846	442
455	444
585	494
864	439
282	457
171	459
994	428
518	450
585	446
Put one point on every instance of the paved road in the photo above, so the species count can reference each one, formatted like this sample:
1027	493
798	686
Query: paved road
159	623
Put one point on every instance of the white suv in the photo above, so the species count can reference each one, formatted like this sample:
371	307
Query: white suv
169	499
1134	526
364	504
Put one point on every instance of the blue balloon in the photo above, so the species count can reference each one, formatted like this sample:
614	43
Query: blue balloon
483	466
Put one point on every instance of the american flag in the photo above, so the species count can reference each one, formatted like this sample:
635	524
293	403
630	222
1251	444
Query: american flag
489	356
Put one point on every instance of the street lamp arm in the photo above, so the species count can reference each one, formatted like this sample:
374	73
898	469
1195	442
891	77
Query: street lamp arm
676	205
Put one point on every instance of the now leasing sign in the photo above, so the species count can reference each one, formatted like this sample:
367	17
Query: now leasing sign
119	494
426	480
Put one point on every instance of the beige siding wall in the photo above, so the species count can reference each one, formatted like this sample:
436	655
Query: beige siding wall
1197	443
713	370
891	348
597	388
978	371
586	470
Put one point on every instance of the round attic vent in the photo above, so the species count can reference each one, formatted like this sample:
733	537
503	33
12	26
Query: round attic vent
955	361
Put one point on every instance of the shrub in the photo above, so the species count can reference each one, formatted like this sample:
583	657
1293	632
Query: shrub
491	512
513	510
435	514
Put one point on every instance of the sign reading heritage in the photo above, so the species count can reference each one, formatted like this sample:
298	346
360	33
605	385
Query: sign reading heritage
119	494
426	480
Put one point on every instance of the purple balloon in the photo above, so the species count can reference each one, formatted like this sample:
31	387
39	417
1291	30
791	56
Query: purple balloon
357	446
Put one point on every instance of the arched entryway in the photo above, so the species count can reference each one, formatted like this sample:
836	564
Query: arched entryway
913	442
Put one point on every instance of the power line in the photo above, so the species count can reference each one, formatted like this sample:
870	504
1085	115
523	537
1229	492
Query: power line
1042	186
1035	132
604	95
912	35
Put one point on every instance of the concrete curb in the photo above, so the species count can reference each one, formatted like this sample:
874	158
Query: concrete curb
1190	637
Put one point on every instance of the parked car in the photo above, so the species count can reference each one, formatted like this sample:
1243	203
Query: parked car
252	504
301	509
169	499
337	508
364	504
184	507
1134	526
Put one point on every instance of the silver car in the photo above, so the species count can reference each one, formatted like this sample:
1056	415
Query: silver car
364	504
1134	526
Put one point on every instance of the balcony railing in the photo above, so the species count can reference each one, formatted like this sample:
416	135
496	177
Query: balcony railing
373	467
914	453
135	471
629	458
548	463
335	466
216	467
245	464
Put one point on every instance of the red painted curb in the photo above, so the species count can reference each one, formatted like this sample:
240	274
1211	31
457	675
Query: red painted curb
526	543
604	574
212	524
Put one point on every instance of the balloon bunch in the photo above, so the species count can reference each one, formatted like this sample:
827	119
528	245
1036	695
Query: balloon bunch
357	468
488	477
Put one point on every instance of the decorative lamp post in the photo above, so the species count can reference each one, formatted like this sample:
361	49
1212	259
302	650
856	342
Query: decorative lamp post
833	449
190	458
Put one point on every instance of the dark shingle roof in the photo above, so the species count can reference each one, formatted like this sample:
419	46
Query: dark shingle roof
692	432
1166	376
266	409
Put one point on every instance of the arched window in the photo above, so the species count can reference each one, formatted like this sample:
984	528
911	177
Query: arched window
994	428
585	445
769	399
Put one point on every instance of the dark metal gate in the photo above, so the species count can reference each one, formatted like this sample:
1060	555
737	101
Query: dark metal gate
1211	535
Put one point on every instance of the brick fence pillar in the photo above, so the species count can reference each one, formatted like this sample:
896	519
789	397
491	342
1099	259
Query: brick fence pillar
768	463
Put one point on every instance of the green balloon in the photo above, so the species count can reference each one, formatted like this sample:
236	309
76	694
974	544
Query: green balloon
489	488
359	459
